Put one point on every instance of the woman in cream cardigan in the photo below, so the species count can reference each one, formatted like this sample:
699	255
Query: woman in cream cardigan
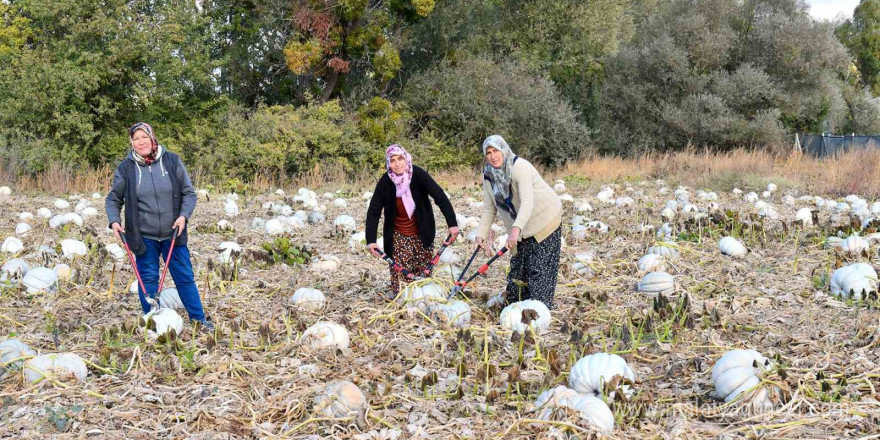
532	213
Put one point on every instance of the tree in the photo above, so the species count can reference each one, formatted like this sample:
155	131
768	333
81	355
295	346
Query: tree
861	35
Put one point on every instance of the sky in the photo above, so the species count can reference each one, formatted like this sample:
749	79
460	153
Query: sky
829	9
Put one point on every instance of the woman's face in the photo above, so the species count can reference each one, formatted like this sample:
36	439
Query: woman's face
142	143
494	157
398	164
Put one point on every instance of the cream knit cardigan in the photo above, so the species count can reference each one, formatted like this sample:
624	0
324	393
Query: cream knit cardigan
538	208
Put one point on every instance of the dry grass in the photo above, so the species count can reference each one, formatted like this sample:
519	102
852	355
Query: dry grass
857	172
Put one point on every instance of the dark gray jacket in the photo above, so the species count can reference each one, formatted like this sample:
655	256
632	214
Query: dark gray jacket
153	196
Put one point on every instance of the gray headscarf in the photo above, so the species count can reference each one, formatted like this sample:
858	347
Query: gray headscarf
499	177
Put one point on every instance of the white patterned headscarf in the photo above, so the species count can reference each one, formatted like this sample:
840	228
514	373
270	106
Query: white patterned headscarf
499	177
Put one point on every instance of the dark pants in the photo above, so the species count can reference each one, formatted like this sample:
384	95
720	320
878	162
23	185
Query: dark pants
534	268
181	272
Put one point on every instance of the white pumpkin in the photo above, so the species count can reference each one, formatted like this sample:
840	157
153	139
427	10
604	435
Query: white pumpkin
732	247
89	212
229	252
115	251
454	313
22	229
344	222
169	297
590	374
133	287
766	194
737	191
768	212
340	203
40	279
230	208
13	270
771	187
567	198
5	191
656	282
583	207
72	217
24	216
13	350
279	192
665	232
71	248
341	399
258	224
274	227
788	200
449	256
511	317
325	334
224	226
559	186
63	272
624	202
11	245
854	245
591	409
57	221
422	295
166	320
579	232
664	249
735	374
327	264
61	204
651	263
446	272
96	195
805	216
55	365
597	226
606	195
751	197
855	281
307	298
833	242
582	264
667	214
44	213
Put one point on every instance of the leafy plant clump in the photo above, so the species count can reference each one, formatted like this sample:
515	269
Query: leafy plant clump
281	250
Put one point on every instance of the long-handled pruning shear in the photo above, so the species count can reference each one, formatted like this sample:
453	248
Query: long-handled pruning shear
430	267
151	299
397	267
460	285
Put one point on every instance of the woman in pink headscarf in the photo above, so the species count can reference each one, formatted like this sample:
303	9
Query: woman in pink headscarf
409	229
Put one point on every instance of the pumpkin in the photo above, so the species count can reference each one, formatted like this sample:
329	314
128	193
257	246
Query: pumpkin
578	220
224	226
230	208
751	197
274	227
423	294
22	229
327	264
340	203
668	214
5	191
665	232
24	216
855	280
559	186
664	249
13	350
606	195
57	221
44	213
788	200
771	187
768	212
169	297
584	207
40	279
302	216
737	191
341	399
833	242
566	198
71	248
279	192
315	217
61	204
512	317
597	226
690	208
589	408
805	216
854	245
56	364
651	263
446	272
732	247
229	252
325	334
367	195
115	251
582	262
11	245
579	232
656	282
13	270
449	257
162	321
307	298
590	374
63	272
736	373
344	223
766	194
453	313
133	287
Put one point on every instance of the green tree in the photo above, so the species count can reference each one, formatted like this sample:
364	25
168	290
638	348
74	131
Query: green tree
861	34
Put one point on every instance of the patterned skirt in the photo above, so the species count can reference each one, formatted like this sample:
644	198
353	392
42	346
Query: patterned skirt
409	253
534	268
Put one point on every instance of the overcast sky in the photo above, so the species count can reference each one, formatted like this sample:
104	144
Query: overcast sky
829	9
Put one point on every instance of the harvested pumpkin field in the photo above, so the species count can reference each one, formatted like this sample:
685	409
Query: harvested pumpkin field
654	315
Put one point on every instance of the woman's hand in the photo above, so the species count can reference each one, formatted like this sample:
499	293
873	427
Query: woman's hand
372	247
179	224
480	243
117	229
512	238
453	231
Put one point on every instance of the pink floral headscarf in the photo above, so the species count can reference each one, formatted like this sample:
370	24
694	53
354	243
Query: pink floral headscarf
401	181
